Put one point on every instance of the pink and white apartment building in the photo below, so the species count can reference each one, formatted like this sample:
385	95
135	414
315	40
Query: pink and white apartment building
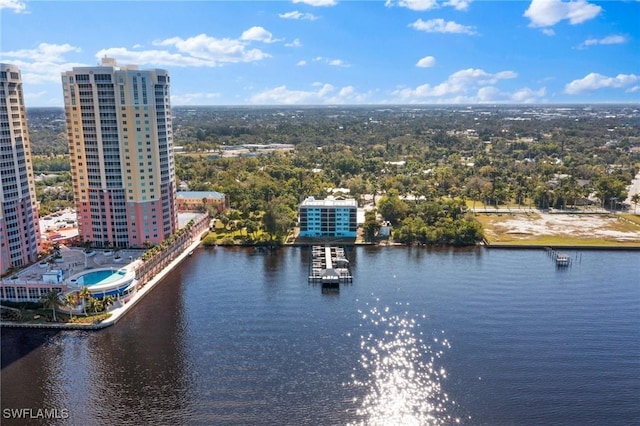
121	151
19	230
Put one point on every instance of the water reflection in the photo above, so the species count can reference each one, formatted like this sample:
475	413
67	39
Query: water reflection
143	368
139	366
399	371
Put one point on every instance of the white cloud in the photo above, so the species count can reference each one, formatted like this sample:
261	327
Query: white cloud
294	43
16	5
258	34
317	3
426	62
31	98
528	96
153	57
546	13
332	62
43	98
42	64
417	5
441	26
200	50
194	98
424	5
459	86
548	31
45	52
487	94
325	94
301	63
459	4
492	94
338	63
34	95
595	81
612	39
298	15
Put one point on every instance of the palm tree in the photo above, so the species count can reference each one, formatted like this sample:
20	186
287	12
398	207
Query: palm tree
116	253
56	251
107	301
52	300
95	304
84	295
72	300
635	199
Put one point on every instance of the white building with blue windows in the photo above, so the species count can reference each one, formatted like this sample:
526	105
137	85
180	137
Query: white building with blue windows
328	218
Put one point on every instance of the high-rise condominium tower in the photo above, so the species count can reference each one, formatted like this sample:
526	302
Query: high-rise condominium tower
121	152
19	229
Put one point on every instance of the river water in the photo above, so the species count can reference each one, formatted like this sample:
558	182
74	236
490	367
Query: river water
234	336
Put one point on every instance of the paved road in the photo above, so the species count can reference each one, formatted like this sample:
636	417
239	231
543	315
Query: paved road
634	188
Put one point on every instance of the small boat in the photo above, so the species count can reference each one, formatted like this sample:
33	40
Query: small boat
563	260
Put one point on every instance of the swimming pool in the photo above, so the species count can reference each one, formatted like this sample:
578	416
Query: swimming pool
103	276
106	282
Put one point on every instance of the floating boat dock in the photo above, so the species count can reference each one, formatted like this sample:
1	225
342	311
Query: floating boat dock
561	259
329	267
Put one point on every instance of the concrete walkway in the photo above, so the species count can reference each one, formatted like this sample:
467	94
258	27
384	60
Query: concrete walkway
632	189
120	311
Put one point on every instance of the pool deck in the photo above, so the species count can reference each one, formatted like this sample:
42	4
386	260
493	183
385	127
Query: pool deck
120	310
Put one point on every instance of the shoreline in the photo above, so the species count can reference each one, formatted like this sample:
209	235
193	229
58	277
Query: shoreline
565	247
119	312
116	313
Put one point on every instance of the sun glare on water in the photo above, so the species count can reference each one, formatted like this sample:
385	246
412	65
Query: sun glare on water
399	372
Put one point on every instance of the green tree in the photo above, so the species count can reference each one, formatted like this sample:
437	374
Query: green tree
635	199
277	219
108	301
84	294
95	305
392	208
371	225
411	230
72	300
468	232
610	189
52	301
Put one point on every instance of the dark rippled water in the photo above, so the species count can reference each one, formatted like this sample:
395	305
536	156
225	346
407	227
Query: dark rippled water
479	337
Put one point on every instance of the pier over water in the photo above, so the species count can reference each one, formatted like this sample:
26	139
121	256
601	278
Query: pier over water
329	267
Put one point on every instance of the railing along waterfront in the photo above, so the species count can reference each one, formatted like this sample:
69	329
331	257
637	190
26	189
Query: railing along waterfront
157	258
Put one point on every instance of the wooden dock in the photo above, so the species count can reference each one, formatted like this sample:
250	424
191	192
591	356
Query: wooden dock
562	260
329	267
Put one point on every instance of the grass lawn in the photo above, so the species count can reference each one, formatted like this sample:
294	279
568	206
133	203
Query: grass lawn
44	316
239	237
631	218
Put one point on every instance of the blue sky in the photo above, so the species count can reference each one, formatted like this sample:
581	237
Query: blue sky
313	52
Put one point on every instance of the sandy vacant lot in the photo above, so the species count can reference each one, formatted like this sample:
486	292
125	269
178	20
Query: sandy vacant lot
581	226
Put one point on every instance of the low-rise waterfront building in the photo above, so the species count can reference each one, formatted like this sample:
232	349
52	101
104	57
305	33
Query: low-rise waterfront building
201	200
330	217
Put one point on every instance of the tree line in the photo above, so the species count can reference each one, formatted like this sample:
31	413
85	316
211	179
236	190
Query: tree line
422	159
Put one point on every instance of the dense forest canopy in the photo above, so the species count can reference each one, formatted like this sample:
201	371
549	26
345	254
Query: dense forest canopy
419	158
